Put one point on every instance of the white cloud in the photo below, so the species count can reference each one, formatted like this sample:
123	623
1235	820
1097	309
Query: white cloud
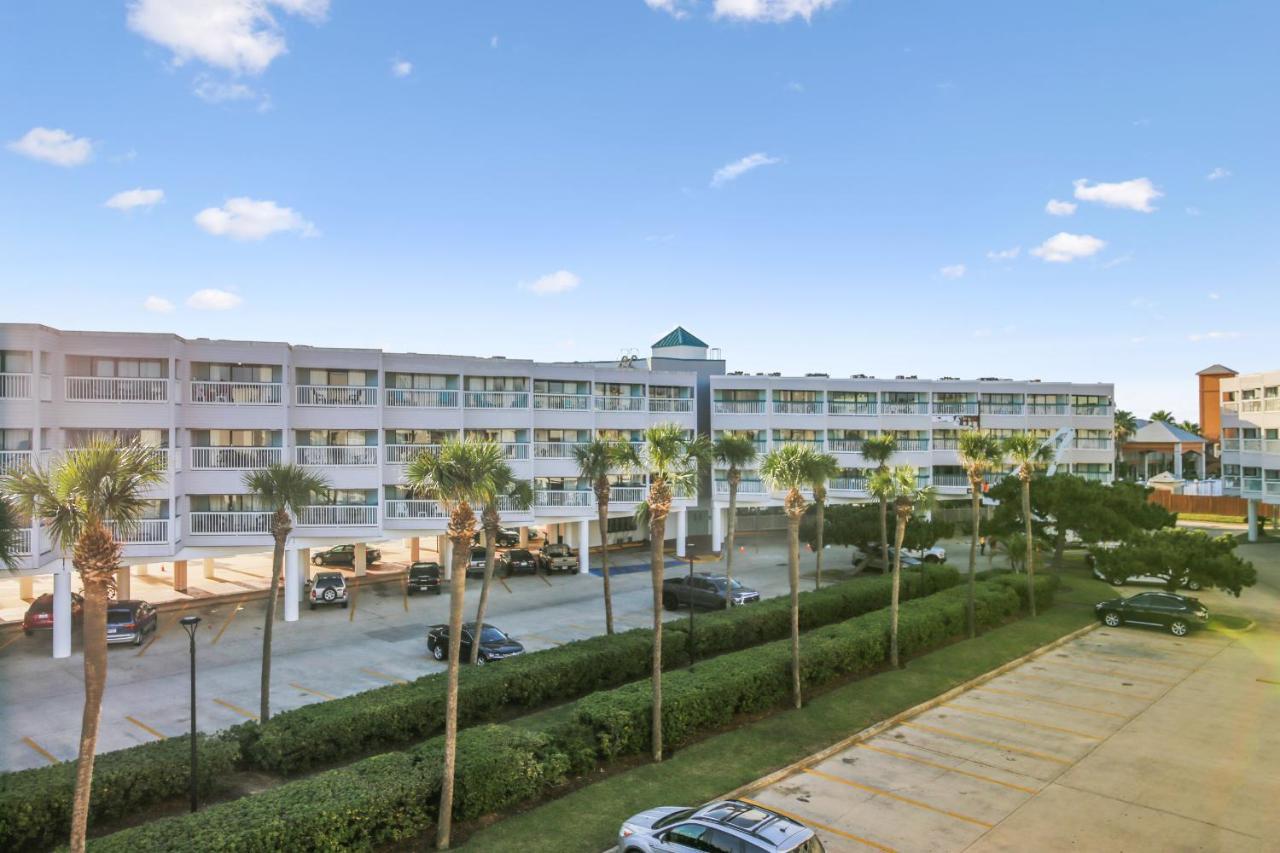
53	145
1136	194
493	41
1213	294
212	299
678	9
129	199
1117	261
736	169
560	281
795	87
953	271
214	91
773	11
1059	208
158	305
241	36
1063	248
1193	211
982	333
1217	174
248	219
401	68
1214	336
1004	254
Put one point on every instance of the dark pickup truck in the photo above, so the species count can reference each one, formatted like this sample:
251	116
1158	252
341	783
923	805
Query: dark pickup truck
703	590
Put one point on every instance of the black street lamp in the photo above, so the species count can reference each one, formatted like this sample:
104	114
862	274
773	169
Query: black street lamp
189	624
688	550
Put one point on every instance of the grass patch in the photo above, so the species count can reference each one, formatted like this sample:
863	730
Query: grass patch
587	819
1208	516
1226	622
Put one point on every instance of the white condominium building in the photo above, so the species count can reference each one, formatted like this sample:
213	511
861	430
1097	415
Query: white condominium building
1250	439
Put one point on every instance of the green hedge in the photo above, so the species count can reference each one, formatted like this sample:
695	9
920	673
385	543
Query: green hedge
35	805
1047	584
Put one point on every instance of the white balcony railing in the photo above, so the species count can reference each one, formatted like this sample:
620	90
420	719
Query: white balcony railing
566	498
507	505
515	449
495	400
670	404
847	484
13	460
739	407
946	443
337	395
421	398
149	531
1251	445
1091	443
338	516
1001	408
951	481
1251	485
22	542
851	407
844	445
1231	445
912	445
562	402
918	408
626	494
955	408
1091	411
117	389
403	454
15	386
621	404
1251	405
555	449
1048	408
1099	476
355	454
1272	404
235	458
745	487
237	393
797	407
402	510
230	523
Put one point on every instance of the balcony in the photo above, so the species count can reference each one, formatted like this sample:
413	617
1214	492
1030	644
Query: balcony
235	458
338	516
1230	445
556	449
18	386
797	407
1001	408
739	407
621	404
236	393
356	454
844	445
116	389
1088	443
912	445
917	408
149	531
1097	476
955	408
563	498
515	449
670	404
495	400
403	454
1251	445
421	398
1250	405
22	542
230	523
851	407
1048	408
408	510
13	460
627	494
337	395
951	481
745	487
562	402
946	443
847	484
1251	485
1091	411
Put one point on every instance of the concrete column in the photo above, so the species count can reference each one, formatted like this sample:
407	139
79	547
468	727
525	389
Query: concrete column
142	570
445	549
62	613
524	537
584	546
207	566
1200	463
717	527
360	558
180	575
1177	460
123	591
682	530
414	549
304	559
292	584
1253	527
26	588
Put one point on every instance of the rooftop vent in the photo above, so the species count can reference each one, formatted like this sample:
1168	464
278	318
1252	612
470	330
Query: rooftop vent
775	373
988	379
900	376
736	373
860	376
818	375
949	378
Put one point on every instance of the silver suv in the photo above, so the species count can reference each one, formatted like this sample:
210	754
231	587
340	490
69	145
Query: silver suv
729	826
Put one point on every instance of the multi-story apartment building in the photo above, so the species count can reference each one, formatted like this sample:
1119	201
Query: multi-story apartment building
1250	439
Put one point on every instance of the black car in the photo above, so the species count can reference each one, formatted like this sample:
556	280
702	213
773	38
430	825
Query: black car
425	577
704	590
129	621
475	565
519	560
1179	613
345	555
494	645
506	538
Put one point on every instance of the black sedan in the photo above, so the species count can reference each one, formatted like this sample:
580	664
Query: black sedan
519	560
424	577
345	555
1177	613
494	645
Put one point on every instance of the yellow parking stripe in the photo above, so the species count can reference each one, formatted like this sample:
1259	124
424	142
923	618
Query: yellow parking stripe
46	754
241	711
145	727
831	829
970	738
1141	662
1076	684
881	792
296	686
1023	721
1111	673
10	641
917	759
227	624
382	675
1033	698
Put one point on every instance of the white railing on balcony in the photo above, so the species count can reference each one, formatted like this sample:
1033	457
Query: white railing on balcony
1099	476
22	542
739	407
562	402
1272	404
1271	445
955	408
670	404
237	393
1001	408
565	498
1231	445
1231	405
515	449
626	494
951	481
507	505
400	510
797	407
13	460
324	515
815	443
851	407
621	404
117	389
160	453
149	531
230	523
844	445
1091	443
918	408
1048	408
847	484
235	458
913	445
555	449
403	454
745	487
421	398
1252	485
1230	483
15	386
1251	405
341	454
1271	487
946	443
495	400
1091	410
337	395
1251	445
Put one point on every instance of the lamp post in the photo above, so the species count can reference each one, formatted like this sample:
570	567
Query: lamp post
189	624
688	550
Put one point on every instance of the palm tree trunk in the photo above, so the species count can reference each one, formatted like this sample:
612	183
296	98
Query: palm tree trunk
1031	569
793	566
970	615
457	589
821	516
95	685
280	529
657	537
729	542
900	528
602	519
490	548
884	533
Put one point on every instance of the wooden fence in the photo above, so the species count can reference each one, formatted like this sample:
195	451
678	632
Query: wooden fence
1210	504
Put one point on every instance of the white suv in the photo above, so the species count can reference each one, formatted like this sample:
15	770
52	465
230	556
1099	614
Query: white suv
726	825
328	588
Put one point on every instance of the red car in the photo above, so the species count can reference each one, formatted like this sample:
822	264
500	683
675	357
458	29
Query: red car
39	616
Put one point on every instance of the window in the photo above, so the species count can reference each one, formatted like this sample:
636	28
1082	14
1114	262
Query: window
227	372
618	389
501	436
145	437
671	392
784	395
560	386
236	438
622	524
733	395
495	383
15	361
566	436
337	438
229	503
420	381
15	439
688	835
124	368
419	436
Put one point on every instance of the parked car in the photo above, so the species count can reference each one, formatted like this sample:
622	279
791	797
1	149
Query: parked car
506	538
345	555
129	621
558	557
425	577
703	590
1179	613
475	564
39	616
518	560
728	825
494	644
328	588
871	560
1118	580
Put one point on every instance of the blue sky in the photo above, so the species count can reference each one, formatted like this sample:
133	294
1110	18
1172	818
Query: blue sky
539	179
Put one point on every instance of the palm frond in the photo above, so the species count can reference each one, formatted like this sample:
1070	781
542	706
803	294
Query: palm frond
467	471
285	486
879	449
734	450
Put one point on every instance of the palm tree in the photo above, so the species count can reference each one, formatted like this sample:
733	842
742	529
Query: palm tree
286	488
8	535
736	452
672	458
789	469
897	484
1190	426
1162	416
597	459
825	468
461	475
1125	426
81	496
979	453
879	449
519	494
1027	452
